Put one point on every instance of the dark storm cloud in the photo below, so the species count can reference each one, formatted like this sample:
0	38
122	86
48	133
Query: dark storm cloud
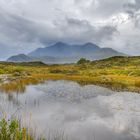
83	31
70	30
22	30
16	27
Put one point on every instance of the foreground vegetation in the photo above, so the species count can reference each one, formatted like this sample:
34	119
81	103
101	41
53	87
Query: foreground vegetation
116	73
12	130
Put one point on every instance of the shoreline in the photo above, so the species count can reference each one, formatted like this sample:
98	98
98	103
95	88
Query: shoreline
18	84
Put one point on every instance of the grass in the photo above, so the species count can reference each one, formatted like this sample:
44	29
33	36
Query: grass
116	73
19	84
12	130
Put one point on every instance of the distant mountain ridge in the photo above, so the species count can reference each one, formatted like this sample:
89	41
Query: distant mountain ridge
65	53
61	49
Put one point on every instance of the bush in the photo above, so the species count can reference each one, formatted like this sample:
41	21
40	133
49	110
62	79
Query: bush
83	61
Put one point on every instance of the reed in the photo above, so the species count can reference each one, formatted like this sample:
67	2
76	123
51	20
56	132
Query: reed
12	130
19	85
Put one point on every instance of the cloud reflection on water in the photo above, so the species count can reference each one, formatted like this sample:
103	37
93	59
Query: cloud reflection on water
82	112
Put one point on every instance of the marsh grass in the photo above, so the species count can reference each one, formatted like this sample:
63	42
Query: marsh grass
116	73
137	84
12	130
56	71
19	85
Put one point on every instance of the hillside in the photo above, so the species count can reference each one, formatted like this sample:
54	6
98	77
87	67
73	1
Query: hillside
121	61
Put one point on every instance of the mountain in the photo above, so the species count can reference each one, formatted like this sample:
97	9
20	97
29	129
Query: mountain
20	58
61	49
65	53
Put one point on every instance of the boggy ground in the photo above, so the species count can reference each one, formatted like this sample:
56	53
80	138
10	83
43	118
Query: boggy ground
116	73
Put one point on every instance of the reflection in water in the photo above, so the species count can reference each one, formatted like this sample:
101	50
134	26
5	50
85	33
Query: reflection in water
82	112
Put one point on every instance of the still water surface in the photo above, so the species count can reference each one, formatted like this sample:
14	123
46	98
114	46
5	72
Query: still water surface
81	112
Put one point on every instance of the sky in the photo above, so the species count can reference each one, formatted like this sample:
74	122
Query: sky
29	24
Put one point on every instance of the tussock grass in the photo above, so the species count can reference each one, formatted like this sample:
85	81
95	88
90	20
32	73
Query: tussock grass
137	84
19	85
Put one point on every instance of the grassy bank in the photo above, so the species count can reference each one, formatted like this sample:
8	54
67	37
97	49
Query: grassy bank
116	73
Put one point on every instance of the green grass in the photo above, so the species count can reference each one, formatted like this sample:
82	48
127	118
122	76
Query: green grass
12	130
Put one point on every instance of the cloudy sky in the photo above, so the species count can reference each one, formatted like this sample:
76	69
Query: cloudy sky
28	24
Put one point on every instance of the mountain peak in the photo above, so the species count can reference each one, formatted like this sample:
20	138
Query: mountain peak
60	44
88	44
19	58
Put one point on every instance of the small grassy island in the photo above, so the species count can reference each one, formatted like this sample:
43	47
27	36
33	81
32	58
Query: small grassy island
117	73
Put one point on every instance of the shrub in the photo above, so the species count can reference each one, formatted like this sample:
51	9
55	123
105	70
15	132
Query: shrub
83	61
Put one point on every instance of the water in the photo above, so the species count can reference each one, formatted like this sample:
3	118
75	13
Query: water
81	112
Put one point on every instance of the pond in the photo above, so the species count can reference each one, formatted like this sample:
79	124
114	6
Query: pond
79	112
